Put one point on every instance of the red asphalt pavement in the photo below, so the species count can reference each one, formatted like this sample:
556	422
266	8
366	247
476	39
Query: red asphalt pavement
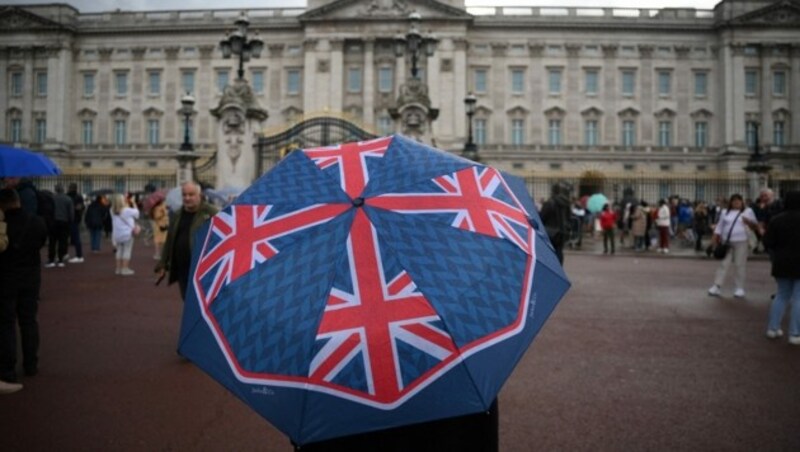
636	357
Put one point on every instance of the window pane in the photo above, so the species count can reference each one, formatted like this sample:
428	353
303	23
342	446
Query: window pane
628	83
554	82
750	134
385	126
517	81
385	80
700	84
153	132
778	139
554	132
120	132
122	83
354	79
700	134
258	81
41	130
590	137
664	83
155	82
779	83
480	131
517	132
16	130
187	81
750	82
41	83
222	80
88	84
480	80
293	81
16	84
664	133
88	132
591	82
628	133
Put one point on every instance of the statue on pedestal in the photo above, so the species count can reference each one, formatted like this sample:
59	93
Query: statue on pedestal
413	110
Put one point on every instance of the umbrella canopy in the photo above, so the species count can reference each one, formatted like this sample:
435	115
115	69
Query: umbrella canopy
369	285
596	202
16	162
152	199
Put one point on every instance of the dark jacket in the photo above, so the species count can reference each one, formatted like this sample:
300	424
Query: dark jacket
27	196
204	212
96	215
65	211
783	239
78	204
27	235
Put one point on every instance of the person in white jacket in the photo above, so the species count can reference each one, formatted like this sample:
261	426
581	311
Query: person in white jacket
663	225
733	223
123	220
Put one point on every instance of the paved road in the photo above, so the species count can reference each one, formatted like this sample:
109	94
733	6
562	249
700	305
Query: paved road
636	357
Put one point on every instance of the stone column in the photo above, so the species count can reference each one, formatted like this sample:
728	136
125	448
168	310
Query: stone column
137	131
735	99
682	92
610	89
206	133
104	93
537	80
498	91
572	126
173	91
369	81
59	76
645	92
28	85
310	103
240	119
336	90
765	100
459	89
400	73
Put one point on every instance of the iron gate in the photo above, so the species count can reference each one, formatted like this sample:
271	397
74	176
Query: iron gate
310	133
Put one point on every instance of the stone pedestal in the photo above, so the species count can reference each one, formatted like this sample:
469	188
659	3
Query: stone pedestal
413	111
239	118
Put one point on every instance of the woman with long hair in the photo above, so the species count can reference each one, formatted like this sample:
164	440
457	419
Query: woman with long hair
123	219
732	228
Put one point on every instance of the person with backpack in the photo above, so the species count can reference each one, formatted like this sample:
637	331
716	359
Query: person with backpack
63	214
96	215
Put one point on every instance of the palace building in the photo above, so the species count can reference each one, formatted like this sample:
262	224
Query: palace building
560	92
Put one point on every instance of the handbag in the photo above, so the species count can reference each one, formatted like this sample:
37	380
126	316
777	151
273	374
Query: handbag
136	229
721	250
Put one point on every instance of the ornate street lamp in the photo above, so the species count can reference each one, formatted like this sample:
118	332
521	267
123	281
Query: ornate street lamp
415	42
236	43
188	109
470	148
186	155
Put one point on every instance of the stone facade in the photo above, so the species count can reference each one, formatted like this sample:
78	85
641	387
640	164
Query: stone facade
560	90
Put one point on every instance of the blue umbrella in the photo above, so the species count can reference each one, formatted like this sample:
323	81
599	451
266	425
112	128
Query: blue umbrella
369	285
596	202
17	162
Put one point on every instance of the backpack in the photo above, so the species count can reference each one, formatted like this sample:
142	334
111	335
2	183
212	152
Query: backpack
46	209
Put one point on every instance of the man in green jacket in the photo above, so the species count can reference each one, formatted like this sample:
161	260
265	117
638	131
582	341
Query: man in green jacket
177	255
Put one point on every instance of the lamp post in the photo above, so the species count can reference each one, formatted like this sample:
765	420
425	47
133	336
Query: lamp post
470	148
415	43
186	155
757	166
236	43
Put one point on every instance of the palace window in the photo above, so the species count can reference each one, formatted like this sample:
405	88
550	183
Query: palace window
258	82
554	81
664	83
700	134
628	83
187	81
354	80
591	81
41	83
779	83
88	84
517	81
554	132
121	83
120	132
750	82
778	138
480	80
385	79
751	132
700	84
154	83
222	79
16	130
41	131
480	131
153	132
16	84
590	133
665	133
87	132
293	81
517	132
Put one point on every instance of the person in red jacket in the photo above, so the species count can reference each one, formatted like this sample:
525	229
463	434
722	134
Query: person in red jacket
608	220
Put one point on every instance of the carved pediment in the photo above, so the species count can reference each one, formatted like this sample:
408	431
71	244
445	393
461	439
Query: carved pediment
120	113
783	13
383	10
781	114
86	113
153	112
701	114
555	112
665	113
592	112
629	112
15	18
517	110
483	110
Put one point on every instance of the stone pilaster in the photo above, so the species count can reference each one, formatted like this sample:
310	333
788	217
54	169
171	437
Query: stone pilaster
610	89
572	126
793	86
765	100
59	75
4	82
337	75
369	81
310	102
459	88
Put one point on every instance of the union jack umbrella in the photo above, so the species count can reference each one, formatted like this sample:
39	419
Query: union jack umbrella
369	285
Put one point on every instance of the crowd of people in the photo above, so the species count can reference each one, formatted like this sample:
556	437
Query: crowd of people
30	219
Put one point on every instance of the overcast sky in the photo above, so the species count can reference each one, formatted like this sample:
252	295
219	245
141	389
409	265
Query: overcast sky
149	5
